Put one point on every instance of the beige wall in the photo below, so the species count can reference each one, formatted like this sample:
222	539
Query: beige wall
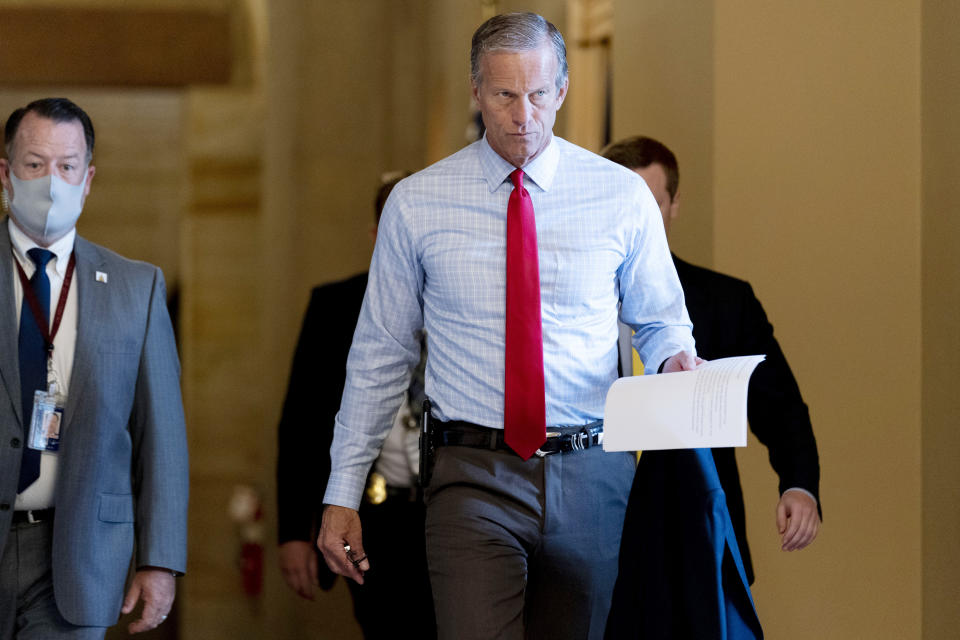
814	208
664	88
828	187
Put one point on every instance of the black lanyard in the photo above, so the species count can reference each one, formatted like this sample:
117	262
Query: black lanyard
31	296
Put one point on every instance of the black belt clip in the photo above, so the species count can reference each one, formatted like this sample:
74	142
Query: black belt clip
428	445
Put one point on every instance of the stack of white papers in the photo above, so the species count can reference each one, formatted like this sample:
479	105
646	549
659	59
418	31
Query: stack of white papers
706	407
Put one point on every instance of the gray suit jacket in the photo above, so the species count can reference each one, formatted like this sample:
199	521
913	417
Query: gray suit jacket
123	474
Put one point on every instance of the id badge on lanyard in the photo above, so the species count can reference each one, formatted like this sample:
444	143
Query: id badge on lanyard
45	420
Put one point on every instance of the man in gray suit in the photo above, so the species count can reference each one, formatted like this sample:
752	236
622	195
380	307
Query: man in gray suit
86	340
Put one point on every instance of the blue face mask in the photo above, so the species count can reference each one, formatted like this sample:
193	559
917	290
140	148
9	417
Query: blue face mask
46	208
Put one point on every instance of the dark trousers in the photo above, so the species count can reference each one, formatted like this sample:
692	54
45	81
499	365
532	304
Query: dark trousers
394	600
525	549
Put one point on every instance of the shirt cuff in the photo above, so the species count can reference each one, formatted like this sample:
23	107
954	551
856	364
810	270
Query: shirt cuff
345	490
658	356
815	501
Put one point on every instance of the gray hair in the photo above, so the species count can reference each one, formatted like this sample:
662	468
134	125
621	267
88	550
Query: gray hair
517	32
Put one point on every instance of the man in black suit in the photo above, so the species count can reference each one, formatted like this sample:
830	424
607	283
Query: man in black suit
397	593
728	320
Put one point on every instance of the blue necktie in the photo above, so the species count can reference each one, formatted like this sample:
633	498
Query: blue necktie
33	359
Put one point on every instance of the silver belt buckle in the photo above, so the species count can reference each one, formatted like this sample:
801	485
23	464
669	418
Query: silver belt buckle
30	517
540	453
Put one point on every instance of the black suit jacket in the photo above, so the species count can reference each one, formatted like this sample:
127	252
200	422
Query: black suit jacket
728	320
313	399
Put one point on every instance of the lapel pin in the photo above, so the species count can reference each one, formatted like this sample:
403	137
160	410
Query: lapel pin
101	277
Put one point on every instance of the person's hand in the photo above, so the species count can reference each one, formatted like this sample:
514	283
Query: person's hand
298	565
797	520
341	543
157	588
683	361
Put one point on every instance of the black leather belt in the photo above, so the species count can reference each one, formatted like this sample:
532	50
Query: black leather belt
464	434
33	517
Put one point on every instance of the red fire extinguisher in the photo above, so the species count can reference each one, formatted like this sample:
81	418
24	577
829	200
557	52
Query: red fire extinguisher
246	510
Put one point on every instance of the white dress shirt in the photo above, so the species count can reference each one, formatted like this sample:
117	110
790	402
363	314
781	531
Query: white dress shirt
40	495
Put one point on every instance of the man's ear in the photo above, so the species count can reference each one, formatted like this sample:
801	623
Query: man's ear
674	210
562	93
5	173
86	188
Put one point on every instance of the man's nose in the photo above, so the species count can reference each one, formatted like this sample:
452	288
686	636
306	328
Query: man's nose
521	112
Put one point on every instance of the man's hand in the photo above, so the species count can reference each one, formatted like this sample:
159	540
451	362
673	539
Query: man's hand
683	361
797	520
156	587
341	526
298	564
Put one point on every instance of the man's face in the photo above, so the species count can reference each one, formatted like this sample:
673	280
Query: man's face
519	99
41	147
656	178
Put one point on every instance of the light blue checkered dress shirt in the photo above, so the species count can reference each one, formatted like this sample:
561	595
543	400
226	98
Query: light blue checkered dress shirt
440	266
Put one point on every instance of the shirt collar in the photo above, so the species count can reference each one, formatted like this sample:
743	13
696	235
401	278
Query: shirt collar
541	170
22	243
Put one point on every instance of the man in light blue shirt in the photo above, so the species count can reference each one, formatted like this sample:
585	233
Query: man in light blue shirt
515	546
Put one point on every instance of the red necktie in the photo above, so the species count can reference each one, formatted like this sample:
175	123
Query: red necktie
524	402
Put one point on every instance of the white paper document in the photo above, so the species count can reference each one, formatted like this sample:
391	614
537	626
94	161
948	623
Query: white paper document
706	407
